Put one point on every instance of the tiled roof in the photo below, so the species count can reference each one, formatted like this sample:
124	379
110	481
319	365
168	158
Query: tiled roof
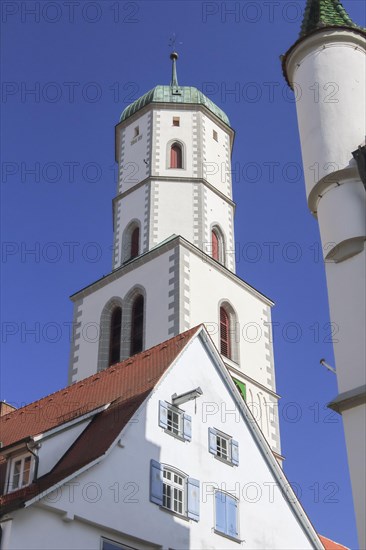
125	380
324	13
125	385
331	545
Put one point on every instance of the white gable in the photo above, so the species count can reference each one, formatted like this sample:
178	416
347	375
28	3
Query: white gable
115	494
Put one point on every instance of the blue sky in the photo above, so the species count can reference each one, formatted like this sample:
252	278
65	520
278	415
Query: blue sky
85	62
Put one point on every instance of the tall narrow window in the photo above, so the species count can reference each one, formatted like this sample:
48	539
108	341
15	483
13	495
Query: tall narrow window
215	245
176	156
115	336
137	325
225	347
135	241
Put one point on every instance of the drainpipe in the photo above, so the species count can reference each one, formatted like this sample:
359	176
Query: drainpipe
5	533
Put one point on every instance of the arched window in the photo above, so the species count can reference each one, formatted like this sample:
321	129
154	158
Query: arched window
225	344
176	157
135	242
137	325
215	243
115	336
131	241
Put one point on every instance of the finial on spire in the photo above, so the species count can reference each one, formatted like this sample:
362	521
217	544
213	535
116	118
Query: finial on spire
174	81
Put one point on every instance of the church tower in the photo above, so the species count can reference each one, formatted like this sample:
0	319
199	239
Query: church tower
174	251
326	69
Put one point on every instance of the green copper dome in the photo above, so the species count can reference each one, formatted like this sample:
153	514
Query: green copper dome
167	94
325	13
174	93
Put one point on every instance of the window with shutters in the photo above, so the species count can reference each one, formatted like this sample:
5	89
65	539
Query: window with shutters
223	446
137	325
173	490
226	515
115	336
20	474
176	156
175	421
225	333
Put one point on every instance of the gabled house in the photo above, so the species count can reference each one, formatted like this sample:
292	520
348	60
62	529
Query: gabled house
158	451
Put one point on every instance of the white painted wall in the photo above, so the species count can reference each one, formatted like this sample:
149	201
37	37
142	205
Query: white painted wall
154	278
115	493
132	168
329	71
172	211
54	447
202	287
332	124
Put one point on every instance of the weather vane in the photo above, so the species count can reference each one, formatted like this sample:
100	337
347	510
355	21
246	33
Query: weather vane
173	41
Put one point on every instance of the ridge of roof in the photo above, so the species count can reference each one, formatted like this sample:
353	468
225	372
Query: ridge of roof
125	380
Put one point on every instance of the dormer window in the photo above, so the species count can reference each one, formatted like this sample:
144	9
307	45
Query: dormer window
21	469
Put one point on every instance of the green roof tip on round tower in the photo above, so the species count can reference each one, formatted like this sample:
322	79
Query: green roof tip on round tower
175	94
325	13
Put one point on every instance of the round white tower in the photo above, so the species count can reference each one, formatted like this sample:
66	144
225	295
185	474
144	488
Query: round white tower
326	67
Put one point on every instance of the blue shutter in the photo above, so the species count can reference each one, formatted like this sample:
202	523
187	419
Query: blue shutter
234	452
212	442
163	414
156	482
193	499
187	427
220	512
232	516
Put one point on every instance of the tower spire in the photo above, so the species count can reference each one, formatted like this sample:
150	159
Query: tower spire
174	81
324	13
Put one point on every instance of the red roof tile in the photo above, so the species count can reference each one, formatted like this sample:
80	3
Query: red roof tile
331	545
126	385
132	377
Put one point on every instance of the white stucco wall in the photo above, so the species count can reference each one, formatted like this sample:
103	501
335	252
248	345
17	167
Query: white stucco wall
329	72
115	493
53	447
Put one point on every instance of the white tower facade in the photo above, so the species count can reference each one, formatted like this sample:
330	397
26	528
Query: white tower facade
174	251
328	66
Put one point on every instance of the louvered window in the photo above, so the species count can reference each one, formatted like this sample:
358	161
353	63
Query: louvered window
176	156
115	336
137	325
215	246
225	347
135	240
